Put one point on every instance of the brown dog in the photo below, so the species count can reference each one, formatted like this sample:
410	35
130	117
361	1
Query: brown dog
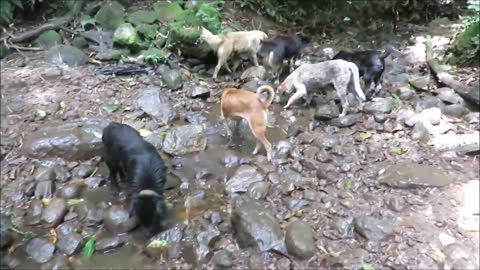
238	103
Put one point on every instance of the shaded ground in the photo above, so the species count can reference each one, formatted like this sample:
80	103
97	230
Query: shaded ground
372	188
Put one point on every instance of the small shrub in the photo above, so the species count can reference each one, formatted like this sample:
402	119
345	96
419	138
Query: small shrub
154	56
7	9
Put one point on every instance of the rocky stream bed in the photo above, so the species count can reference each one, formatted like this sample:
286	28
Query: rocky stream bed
392	187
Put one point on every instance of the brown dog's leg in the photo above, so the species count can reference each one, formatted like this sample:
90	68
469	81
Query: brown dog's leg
257	125
225	123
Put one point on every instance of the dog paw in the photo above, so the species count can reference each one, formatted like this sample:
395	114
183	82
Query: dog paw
286	106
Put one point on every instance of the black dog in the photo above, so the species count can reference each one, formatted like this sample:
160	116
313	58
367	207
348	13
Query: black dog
371	65
281	48
139	164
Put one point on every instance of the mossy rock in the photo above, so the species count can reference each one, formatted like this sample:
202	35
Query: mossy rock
110	15
64	54
80	42
112	54
168	12
142	17
48	39
125	34
148	31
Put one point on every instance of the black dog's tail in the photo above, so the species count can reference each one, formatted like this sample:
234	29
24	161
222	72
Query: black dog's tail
387	51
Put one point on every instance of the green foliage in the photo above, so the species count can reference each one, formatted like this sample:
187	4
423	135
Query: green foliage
154	56
7	9
466	47
89	248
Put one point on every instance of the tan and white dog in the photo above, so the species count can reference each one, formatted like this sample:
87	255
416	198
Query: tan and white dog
237	104
226	44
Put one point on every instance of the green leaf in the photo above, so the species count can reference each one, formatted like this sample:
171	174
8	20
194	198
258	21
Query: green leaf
367	266
349	184
110	108
365	135
158	244
73	202
163	135
397	150
394	95
89	248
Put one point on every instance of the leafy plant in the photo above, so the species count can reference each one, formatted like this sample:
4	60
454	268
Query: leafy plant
154	56
89	248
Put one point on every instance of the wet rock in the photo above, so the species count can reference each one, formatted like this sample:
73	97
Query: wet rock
90	213
222	259
414	175
62	174
57	263
65	229
108	243
117	220
421	83
255	226
196	91
299	239
406	93
195	118
186	139
172	79
40	250
395	203
429	102
173	235
448	95
110	15
345	121
255	72
282	149
70	244
231	159
259	190
94	182
208	237
326	112
29	189
243	177
373	229
64	54
378	105
44	189
154	102
69	191
350	259
420	132
74	140
455	110
48	39
54	212
83	170
44	174
34	212
379	117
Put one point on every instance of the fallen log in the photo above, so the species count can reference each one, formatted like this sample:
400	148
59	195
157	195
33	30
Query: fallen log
469	93
31	34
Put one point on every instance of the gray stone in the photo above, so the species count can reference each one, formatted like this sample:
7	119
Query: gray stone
429	102
44	189
414	175
282	149
253	85
185	139
156	103
378	105
74	140
70	244
420	132
83	170
222	259
230	159
373	229
65	54
244	177
34	212
421	83
455	110
255	72
345	121
259	190
54	212
299	239
110	15
108	243
448	95
80	42
69	191
40	250
172	79
44	174
107	54
196	91
62	174
126	34
94	182
326	112
255	226
350	259
117	220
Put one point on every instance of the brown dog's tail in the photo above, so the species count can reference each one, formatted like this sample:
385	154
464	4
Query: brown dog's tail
271	94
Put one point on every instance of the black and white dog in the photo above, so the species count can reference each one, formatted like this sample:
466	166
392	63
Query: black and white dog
138	163
371	65
281	48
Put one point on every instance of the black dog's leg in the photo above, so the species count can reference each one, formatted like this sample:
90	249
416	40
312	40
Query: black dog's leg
112	177
133	204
